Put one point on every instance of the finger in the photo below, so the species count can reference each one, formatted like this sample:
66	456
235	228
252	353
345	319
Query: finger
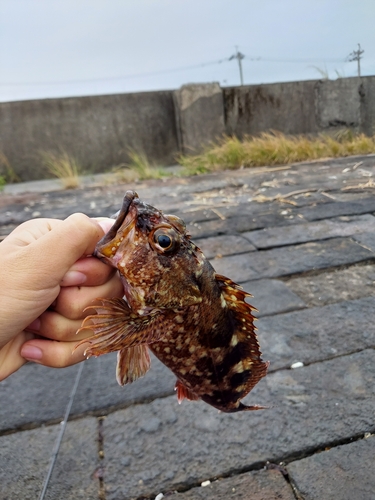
10	358
88	271
73	300
105	223
54	326
53	353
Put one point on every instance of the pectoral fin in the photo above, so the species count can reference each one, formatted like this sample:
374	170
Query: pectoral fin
117	327
132	363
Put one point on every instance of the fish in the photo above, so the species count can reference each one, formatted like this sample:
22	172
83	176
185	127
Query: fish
175	305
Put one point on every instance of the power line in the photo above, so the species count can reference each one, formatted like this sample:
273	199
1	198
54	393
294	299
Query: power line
238	55
303	61
114	78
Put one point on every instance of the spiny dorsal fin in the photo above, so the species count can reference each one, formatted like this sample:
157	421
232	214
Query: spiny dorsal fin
234	297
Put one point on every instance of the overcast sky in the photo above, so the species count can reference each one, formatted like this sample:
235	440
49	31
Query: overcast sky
56	48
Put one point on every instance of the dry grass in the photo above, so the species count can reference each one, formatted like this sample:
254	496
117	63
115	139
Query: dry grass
63	166
139	167
7	173
275	148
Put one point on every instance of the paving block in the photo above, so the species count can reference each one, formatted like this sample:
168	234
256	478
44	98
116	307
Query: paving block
291	260
37	394
366	239
272	297
317	333
312	231
337	208
257	485
344	472
78	466
329	287
162	446
98	389
241	223
24	461
228	244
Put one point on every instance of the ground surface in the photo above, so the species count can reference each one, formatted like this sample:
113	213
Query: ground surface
301	239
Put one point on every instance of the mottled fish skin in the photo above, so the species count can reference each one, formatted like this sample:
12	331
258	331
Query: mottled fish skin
195	321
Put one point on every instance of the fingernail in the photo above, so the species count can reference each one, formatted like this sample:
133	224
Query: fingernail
31	353
35	325
73	278
105	223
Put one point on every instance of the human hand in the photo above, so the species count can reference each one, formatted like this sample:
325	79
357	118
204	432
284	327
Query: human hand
44	262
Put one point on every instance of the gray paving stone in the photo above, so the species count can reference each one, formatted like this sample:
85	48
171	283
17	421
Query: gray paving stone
98	389
238	268
161	446
24	460
241	223
337	208
291	260
317	333
312	231
218	246
36	394
77	468
272	297
258	485
366	239
329	287
344	473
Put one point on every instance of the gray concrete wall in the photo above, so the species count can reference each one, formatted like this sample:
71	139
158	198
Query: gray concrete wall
199	115
99	131
301	107
287	107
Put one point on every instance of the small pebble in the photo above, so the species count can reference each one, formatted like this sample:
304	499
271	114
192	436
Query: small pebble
297	364
159	496
205	483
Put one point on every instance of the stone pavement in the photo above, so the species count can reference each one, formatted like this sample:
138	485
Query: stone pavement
301	239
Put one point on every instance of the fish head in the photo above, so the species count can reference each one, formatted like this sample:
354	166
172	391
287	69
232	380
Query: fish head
158	264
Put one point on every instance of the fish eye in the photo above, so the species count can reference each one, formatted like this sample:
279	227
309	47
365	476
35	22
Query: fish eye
164	241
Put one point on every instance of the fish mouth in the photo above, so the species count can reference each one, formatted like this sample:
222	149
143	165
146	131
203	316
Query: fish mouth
104	246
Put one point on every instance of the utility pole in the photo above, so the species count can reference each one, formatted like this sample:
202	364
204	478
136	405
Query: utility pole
239	58
356	55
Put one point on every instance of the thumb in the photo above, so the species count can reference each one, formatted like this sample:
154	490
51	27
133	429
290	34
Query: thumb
53	253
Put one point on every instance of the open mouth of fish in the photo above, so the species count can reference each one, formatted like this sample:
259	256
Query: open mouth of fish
125	222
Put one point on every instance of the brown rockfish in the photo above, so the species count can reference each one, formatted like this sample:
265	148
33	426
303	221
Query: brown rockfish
194	320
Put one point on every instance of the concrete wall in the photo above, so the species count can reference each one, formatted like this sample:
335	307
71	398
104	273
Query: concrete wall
199	115
301	107
98	131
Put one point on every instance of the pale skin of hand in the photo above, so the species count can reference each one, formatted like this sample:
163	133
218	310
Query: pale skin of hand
47	279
